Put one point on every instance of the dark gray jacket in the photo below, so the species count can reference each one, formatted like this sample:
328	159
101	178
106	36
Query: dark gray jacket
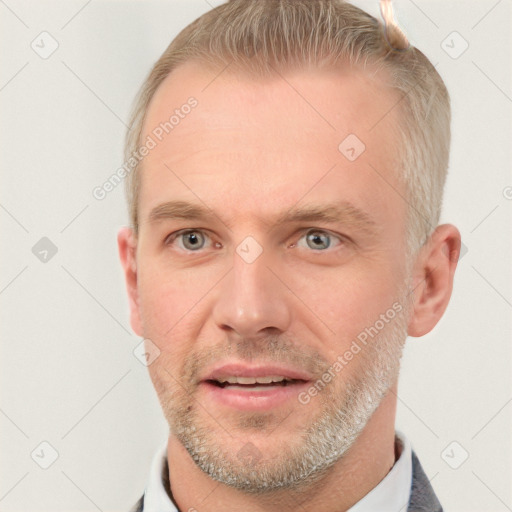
422	499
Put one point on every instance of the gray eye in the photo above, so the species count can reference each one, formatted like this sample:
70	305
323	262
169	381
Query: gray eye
193	240
318	240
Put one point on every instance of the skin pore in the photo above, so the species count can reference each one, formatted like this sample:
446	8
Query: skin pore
252	153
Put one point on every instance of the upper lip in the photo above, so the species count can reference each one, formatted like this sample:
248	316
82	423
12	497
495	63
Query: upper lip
235	369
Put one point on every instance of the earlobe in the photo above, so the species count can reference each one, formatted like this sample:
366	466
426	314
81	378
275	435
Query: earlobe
433	279
127	245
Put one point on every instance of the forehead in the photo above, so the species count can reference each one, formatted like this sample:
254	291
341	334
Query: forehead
254	146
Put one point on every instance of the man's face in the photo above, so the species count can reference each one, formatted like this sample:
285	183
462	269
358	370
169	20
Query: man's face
254	290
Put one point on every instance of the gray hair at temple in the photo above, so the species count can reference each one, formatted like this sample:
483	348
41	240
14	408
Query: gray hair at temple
258	37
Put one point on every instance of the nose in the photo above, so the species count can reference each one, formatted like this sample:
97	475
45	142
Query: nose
251	300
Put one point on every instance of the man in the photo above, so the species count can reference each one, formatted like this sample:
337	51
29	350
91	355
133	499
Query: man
288	160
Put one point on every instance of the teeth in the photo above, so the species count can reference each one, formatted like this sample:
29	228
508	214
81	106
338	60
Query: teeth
241	380
252	380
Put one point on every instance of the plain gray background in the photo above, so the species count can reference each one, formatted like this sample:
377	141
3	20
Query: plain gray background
68	373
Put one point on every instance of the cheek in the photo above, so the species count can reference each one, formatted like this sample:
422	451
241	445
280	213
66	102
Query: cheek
348	300
173	302
162	302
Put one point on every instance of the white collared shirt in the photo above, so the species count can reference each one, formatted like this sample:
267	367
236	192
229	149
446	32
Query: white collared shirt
390	495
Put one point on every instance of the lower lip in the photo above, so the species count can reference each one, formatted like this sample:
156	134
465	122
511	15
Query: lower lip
253	400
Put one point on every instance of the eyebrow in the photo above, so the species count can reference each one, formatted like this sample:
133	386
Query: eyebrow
342	212
178	210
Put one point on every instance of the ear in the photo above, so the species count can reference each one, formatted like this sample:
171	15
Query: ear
433	274
127	244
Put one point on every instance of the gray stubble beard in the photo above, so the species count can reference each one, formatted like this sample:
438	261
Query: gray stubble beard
345	412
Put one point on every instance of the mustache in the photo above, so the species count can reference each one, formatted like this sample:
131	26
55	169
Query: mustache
268	349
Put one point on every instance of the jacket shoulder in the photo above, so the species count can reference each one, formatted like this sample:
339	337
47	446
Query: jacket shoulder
139	505
423	498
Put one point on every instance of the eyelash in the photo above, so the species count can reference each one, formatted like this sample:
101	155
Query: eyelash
169	240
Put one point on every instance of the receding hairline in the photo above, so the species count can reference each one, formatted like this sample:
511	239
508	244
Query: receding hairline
211	69
313	31
376	72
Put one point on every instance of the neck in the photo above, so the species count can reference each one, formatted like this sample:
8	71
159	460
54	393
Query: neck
352	477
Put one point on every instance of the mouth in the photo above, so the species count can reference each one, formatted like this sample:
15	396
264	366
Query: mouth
253	388
254	383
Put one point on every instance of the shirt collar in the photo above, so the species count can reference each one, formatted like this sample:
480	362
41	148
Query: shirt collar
156	498
390	495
